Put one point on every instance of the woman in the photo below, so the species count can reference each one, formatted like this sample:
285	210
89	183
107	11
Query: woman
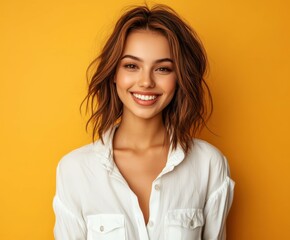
146	177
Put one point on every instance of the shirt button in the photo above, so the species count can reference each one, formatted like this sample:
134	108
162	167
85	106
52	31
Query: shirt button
102	228
150	224
157	187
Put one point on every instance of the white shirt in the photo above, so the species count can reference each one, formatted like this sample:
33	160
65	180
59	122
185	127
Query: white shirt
189	200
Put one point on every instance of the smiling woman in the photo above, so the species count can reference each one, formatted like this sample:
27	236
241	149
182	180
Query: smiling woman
147	177
146	75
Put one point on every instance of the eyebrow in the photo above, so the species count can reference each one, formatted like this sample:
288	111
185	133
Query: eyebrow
140	60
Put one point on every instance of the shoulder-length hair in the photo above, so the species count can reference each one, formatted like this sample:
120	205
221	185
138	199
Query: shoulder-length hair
187	112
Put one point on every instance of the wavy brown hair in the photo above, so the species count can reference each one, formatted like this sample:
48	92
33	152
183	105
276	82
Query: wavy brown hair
187	113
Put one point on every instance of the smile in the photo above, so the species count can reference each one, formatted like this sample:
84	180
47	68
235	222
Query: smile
144	97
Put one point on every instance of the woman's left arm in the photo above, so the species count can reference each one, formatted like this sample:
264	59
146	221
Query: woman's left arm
218	204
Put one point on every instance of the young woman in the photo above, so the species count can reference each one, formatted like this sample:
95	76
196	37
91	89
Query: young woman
146	177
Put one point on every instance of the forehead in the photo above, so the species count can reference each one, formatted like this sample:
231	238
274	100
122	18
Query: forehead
147	44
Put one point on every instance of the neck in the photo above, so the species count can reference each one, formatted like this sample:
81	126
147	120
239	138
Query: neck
140	133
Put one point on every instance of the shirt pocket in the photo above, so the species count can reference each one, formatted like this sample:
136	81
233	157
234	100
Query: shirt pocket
106	227
184	224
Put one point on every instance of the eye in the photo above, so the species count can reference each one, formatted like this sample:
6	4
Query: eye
130	66
164	69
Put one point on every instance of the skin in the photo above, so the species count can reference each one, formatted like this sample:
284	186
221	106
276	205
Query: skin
140	143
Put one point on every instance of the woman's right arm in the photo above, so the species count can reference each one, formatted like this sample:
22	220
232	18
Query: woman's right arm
68	226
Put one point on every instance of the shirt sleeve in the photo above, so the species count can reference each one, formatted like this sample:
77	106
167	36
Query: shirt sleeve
217	208
68	226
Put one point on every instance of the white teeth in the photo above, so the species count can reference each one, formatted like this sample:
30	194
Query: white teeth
144	97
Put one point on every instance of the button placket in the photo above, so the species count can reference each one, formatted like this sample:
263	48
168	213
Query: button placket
157	187
150	223
154	205
143	235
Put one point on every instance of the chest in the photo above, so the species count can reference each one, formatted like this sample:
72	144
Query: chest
176	200
140	170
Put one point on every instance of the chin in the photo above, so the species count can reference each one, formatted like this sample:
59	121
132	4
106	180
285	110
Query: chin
146	116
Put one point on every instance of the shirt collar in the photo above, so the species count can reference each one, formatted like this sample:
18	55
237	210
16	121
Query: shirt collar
175	156
105	149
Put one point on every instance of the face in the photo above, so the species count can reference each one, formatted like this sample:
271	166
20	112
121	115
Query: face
145	77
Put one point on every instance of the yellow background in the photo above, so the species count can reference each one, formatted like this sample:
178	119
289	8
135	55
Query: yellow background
45	47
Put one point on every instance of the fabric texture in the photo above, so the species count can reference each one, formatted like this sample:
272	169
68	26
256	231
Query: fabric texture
189	200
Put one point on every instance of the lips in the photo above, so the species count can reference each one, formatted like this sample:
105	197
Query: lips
145	99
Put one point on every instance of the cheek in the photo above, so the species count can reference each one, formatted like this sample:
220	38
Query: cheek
123	80
169	85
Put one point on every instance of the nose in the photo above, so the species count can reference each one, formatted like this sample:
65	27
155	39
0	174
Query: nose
146	80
